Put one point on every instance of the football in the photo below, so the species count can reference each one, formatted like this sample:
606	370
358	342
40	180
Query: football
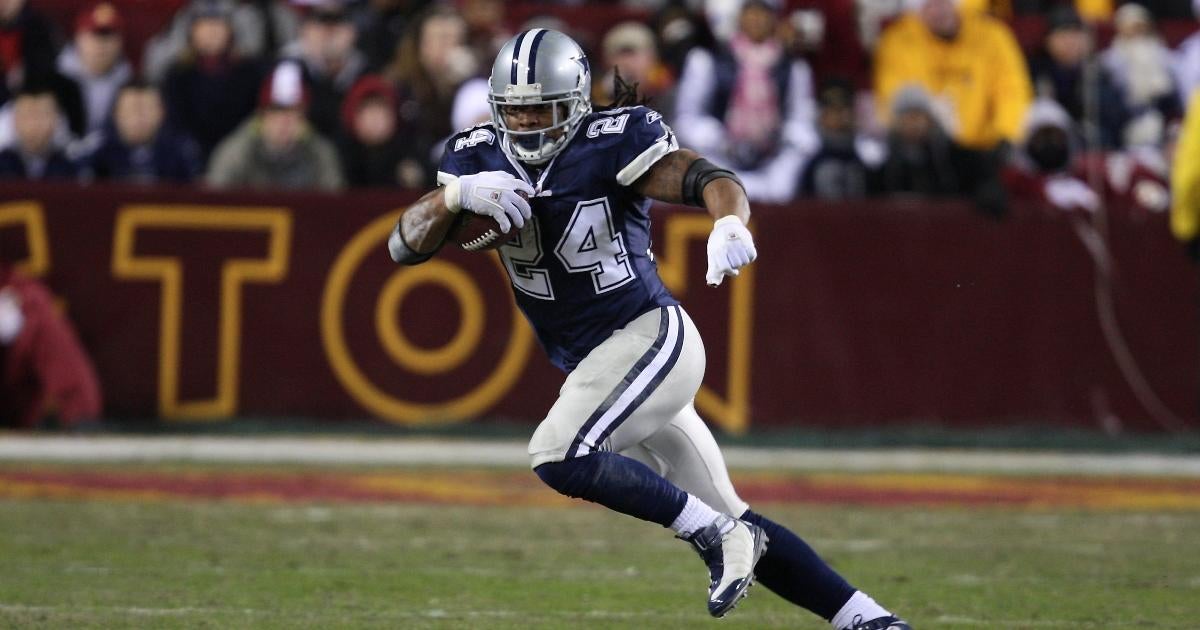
477	233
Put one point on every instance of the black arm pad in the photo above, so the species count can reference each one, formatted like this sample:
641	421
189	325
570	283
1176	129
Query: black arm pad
402	253
698	175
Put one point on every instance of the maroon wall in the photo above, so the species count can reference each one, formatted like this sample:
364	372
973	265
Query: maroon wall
856	314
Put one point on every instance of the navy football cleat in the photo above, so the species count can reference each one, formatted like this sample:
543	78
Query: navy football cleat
880	623
730	557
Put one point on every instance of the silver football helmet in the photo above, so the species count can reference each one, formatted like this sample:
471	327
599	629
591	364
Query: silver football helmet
540	67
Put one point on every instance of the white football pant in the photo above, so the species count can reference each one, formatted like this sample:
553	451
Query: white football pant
633	394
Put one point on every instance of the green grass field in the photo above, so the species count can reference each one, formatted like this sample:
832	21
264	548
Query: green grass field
177	563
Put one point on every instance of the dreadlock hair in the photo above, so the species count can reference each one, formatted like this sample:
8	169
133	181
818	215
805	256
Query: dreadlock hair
625	94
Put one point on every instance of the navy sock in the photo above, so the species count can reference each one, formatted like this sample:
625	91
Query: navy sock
618	483
796	573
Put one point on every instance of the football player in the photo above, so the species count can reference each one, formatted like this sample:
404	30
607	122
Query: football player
576	185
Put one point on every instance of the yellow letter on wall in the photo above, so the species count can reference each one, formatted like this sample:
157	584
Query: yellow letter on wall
168	270
30	215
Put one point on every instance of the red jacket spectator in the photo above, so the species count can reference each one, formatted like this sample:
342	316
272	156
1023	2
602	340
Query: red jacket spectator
46	372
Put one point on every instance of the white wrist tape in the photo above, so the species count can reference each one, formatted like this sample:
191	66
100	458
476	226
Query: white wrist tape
453	193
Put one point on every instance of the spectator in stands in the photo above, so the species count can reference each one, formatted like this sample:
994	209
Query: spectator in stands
1166	9
487	28
923	160
36	154
1047	144
260	29
96	61
1187	62
381	24
828	34
969	62
749	107
137	146
432	61
27	54
210	90
1136	180
1185	181
841	168
470	108
1065	70
26	37
1187	67
46	377
629	48
371	148
470	105
677	31
331	63
1140	66
277	148
724	17
1043	162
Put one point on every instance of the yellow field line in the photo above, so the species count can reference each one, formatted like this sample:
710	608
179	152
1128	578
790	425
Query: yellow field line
509	488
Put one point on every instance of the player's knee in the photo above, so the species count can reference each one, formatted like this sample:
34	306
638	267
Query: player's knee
572	477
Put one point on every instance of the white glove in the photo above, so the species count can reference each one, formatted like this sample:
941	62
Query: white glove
491	194
730	247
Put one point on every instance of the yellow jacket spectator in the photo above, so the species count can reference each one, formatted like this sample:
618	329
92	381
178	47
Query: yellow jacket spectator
969	62
1185	176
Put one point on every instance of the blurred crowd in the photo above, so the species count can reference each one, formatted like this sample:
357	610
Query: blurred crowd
1071	102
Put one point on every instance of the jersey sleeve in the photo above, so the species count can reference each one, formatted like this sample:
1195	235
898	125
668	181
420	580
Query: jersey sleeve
450	168
645	139
462	154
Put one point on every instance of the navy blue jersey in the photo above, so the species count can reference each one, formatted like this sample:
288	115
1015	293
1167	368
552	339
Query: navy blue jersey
582	267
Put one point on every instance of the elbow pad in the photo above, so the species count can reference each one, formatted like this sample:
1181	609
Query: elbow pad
402	253
698	175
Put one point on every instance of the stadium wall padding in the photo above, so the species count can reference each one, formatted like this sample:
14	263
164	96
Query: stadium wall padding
199	306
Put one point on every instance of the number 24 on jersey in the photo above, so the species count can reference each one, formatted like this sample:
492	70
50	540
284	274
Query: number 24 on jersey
590	244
